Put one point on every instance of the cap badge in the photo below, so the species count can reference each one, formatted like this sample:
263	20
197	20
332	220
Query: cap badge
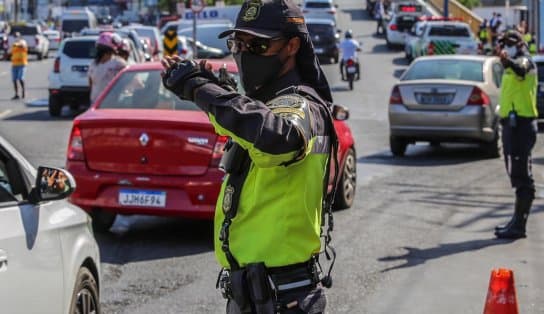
252	11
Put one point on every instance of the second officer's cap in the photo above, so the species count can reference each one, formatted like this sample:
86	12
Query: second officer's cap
268	19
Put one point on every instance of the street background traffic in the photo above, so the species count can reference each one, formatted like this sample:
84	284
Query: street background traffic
419	238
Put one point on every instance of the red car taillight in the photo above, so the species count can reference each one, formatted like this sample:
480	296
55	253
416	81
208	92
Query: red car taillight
478	98
184	51
75	145
430	48
393	27
350	62
396	97
218	151
56	65
331	11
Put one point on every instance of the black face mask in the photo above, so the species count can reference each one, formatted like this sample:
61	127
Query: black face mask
257	70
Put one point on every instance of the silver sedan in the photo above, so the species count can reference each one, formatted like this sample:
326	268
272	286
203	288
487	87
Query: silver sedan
449	98
49	260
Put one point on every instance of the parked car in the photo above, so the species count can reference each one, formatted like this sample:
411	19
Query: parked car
398	27
72	21
447	99
154	36
444	37
54	38
320	9
539	60
142	150
324	37
49	259
35	39
68	80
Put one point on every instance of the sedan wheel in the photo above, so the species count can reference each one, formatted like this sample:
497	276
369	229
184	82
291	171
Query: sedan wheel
345	193
85	297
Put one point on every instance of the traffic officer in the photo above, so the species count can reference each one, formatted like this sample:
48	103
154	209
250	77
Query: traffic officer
269	211
518	114
170	41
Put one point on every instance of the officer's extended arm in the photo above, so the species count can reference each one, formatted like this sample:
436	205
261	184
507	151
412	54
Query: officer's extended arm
520	66
271	136
271	139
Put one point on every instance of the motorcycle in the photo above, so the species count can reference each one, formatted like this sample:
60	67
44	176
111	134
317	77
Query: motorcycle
351	68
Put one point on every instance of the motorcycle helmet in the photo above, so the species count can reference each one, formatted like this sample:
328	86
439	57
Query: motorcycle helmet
109	40
349	34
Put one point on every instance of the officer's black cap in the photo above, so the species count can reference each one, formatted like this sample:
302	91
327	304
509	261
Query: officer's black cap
269	19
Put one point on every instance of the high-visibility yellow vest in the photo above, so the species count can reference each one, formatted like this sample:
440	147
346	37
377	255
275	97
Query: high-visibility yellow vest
19	54
170	43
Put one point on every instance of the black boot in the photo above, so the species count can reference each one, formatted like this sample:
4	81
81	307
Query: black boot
515	229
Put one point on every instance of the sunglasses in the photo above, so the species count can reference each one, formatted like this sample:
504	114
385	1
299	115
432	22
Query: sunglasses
256	45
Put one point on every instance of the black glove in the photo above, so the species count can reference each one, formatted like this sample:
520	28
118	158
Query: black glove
185	76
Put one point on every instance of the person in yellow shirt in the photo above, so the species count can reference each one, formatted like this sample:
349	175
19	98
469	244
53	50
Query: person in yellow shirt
19	60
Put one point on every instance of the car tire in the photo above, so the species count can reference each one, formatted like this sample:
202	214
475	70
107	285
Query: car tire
46	54
55	105
102	220
398	146
493	149
85	298
40	56
345	191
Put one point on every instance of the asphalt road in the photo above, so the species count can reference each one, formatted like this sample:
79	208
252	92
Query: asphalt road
419	238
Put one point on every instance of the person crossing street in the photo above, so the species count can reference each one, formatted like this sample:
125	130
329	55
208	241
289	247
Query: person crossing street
518	114
269	211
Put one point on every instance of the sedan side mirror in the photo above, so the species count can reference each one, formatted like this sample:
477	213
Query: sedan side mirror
52	184
340	113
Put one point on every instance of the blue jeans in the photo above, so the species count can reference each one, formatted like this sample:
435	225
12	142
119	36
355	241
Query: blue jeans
18	72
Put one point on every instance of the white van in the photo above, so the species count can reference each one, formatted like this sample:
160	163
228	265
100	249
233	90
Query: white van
74	20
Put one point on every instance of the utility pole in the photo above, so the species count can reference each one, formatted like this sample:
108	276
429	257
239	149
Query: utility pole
16	13
446	9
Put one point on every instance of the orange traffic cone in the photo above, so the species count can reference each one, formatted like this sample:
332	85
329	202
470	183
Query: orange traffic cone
501	296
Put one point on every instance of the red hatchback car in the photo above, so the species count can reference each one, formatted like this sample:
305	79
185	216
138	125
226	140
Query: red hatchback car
139	149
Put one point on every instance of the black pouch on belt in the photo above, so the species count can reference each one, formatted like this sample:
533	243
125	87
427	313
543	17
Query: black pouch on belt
239	290
260	291
233	158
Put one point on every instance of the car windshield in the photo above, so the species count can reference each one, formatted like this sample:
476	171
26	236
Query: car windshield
74	26
207	35
466	70
320	29
24	30
81	49
540	67
143	90
318	5
449	31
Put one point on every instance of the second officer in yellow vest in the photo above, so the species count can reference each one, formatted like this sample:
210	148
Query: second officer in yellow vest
518	114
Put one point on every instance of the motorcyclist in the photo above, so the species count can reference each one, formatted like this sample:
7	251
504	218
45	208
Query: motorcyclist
349	48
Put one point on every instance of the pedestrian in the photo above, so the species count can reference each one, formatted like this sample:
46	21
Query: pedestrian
522	27
269	210
518	113
379	14
170	41
19	61
106	63
493	29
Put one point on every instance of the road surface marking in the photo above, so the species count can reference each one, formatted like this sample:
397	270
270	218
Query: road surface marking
4	113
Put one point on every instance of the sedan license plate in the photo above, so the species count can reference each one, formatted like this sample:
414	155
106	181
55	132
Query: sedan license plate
142	198
351	70
319	50
434	99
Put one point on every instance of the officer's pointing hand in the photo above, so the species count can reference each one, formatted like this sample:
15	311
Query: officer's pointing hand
183	77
